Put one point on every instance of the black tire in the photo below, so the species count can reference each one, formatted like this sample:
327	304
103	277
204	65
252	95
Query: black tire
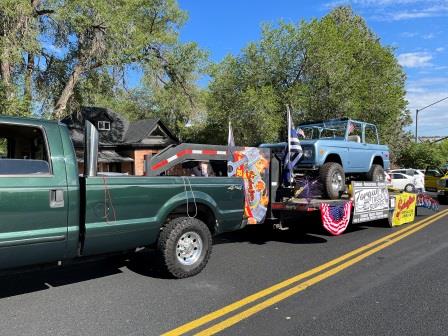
327	174
409	188
376	173
168	244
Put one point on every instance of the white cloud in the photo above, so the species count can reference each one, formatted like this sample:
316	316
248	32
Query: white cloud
425	36
415	59
375	3
397	10
440	49
423	92
409	34
429	36
406	15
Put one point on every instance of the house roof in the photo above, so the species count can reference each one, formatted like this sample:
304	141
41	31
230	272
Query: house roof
140	129
106	156
122	131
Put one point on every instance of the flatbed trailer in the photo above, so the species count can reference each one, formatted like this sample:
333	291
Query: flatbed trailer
304	205
283	202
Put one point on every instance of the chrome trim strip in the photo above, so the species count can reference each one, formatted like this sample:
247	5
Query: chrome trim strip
29	241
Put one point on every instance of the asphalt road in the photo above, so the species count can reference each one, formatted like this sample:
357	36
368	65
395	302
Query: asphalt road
400	290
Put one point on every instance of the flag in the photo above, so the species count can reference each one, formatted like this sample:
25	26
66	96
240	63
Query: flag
335	218
294	150
301	133
351	127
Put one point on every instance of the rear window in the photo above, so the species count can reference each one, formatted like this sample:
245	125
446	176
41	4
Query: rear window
23	151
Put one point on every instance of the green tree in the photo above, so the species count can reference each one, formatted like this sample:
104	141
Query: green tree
326	68
57	55
421	155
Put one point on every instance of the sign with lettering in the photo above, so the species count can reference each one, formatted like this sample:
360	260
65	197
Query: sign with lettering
404	209
370	201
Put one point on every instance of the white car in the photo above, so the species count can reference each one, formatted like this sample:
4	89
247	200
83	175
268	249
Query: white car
388	179
418	175
402	181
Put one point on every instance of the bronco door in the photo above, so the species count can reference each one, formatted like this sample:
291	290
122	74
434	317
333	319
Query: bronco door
33	211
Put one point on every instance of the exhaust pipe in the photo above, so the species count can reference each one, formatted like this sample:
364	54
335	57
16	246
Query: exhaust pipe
90	149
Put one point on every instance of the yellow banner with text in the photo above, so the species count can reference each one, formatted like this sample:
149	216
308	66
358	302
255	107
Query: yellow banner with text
404	209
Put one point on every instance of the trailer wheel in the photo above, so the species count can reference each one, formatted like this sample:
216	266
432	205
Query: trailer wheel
184	245
332	177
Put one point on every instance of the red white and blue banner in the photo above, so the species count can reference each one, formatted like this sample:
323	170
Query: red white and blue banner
335	217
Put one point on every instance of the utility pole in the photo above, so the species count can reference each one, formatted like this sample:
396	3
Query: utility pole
416	125
416	115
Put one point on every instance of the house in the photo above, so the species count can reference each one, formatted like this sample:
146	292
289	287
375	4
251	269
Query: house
123	144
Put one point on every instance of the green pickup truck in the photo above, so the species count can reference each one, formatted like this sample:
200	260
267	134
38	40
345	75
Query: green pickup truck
50	212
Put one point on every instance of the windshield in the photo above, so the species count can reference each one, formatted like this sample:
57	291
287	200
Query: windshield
325	130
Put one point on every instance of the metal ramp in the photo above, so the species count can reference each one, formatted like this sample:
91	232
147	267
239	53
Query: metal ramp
174	155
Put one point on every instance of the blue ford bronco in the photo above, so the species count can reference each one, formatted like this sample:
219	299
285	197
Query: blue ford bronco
338	148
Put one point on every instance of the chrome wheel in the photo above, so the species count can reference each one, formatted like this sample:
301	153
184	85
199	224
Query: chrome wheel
336	181
189	248
409	188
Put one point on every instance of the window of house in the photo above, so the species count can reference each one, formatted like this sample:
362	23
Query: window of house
23	151
103	125
158	133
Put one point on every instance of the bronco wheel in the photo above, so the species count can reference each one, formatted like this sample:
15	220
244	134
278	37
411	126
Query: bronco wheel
185	245
376	174
332	177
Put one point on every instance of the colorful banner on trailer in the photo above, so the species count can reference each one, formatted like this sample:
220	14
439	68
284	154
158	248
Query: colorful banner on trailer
404	209
252	164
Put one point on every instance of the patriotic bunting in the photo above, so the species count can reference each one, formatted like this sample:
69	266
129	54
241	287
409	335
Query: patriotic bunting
335	218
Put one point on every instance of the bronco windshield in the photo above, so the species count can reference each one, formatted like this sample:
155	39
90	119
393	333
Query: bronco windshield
325	130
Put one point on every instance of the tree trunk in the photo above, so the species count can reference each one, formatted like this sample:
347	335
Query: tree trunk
5	69
67	92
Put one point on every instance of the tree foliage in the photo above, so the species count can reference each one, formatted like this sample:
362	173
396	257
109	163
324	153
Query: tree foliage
57	55
326	68
421	155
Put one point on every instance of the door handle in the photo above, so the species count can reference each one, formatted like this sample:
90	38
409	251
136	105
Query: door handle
235	186
56	198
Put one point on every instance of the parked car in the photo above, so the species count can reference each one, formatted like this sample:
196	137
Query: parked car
402	181
388	179
432	177
417	174
341	148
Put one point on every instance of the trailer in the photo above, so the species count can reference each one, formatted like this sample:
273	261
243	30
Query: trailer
269	201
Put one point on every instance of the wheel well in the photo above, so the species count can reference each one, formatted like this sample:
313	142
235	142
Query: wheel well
378	160
204	214
333	158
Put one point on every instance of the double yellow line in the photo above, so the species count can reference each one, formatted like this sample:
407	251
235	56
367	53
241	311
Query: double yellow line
325	271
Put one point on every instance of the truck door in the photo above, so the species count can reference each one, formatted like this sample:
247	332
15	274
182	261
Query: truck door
33	208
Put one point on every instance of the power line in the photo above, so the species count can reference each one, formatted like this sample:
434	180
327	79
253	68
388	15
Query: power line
418	110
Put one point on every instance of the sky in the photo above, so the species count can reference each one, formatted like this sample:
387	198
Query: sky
417	29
